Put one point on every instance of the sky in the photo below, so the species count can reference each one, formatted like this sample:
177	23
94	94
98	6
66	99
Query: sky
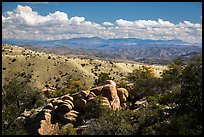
64	20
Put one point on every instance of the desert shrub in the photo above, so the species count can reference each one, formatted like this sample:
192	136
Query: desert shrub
112	123
58	79
140	73
145	84
122	84
67	130
13	60
72	86
102	79
83	65
93	108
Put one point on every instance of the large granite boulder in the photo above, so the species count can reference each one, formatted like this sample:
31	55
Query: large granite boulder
109	91
43	123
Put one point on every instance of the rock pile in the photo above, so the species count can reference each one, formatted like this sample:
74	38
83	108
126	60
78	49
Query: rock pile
65	109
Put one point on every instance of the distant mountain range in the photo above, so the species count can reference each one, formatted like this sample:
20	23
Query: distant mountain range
122	48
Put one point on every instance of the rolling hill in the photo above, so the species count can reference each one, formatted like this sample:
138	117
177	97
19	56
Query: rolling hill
54	70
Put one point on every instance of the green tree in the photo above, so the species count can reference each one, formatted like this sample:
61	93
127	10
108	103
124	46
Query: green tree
145	83
18	95
191	87
101	79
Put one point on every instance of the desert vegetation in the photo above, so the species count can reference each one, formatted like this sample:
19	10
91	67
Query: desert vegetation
169	103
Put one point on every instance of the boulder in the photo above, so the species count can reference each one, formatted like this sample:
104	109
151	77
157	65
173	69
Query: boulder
115	104
49	106
122	94
85	93
70	102
43	124
109	91
91	96
68	117
110	82
64	107
104	102
80	104
66	97
56	102
96	90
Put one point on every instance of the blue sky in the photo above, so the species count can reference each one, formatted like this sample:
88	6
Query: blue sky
62	20
110	11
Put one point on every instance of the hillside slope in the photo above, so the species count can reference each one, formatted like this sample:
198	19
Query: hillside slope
54	70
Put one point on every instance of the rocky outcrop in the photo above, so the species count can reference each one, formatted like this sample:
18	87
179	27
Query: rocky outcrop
57	111
65	109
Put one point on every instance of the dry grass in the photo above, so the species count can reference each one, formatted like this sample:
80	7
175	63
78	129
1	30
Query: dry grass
46	71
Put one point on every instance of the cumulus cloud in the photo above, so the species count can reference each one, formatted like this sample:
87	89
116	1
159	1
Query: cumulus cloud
77	20
24	23
24	15
124	23
107	24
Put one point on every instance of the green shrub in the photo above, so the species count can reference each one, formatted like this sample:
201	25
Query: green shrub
112	123
67	130
101	79
18	95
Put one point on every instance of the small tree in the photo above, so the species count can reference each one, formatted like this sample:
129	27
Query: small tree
18	95
101	79
144	82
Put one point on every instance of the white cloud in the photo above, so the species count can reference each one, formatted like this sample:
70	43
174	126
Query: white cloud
25	16
24	23
77	20
165	23
124	23
107	24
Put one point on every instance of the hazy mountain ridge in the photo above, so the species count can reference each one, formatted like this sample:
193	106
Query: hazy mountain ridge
121	48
